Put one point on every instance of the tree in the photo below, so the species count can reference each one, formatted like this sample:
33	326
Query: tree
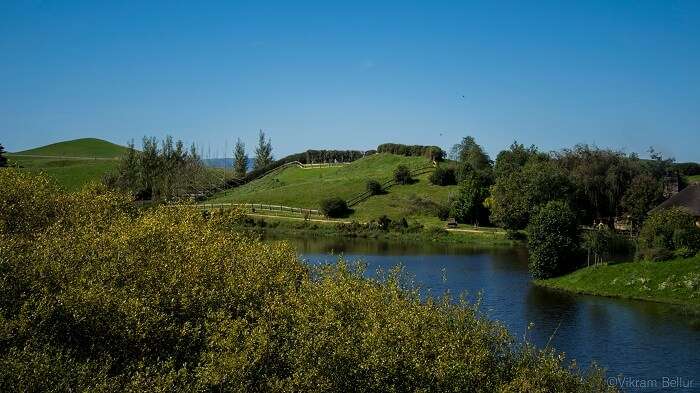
402	175
552	240
373	187
443	176
334	207
517	194
263	153
469	207
3	159
515	158
471	153
644	193
240	159
667	233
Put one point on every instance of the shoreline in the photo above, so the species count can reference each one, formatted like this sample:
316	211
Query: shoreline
675	282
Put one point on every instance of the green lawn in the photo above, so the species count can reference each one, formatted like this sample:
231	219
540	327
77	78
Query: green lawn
72	164
85	147
70	174
676	281
306	188
693	179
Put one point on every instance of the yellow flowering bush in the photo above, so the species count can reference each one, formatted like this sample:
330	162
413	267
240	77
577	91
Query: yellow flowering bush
97	295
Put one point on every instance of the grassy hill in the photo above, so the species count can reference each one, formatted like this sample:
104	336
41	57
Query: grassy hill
71	164
85	147
306	188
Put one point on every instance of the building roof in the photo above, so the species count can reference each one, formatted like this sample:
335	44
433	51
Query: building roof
688	198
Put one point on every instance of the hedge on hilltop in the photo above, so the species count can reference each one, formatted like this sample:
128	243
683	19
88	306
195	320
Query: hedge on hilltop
430	152
96	295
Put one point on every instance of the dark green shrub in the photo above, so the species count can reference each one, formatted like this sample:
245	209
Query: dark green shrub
373	187
443	212
552	240
402	175
334	207
430	152
443	176
383	222
667	233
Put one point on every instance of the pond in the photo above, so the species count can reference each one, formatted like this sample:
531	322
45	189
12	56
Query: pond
646	347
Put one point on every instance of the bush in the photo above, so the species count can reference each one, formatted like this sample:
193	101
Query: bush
552	240
443	212
443	176
667	233
165	299
430	152
383	222
402	175
373	187
334	207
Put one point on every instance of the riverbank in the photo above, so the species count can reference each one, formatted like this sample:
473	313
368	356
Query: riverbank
395	232
673	282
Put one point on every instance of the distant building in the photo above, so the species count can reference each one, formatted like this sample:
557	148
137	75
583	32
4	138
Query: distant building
687	199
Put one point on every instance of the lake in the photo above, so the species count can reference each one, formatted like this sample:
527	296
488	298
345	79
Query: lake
639	343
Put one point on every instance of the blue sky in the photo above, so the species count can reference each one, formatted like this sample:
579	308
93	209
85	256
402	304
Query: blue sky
620	74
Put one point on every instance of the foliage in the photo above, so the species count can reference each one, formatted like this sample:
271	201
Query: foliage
373	187
432	153
170	300
443	212
334	207
552	240
383	222
687	168
644	193
516	195
402	175
157	173
3	159
316	156
263	152
468	206
471	153
602	243
443	176
240	159
515	158
600	178
666	232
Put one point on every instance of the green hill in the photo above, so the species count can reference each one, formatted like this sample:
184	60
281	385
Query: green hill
85	147
71	164
298	187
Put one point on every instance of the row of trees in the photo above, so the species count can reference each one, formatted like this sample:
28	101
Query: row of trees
552	194
158	171
430	152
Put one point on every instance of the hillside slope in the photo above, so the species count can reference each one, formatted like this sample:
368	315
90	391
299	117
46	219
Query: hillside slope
85	147
306	188
72	164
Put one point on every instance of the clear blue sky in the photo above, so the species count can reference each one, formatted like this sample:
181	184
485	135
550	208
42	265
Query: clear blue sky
622	74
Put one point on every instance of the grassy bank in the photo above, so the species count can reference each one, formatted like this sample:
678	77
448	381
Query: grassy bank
673	282
290	226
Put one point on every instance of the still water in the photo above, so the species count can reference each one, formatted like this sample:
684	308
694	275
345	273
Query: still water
639	343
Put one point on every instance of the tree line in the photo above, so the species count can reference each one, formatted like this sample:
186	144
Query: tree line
551	194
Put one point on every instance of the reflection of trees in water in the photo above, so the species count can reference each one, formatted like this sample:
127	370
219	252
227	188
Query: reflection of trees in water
551	313
379	247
